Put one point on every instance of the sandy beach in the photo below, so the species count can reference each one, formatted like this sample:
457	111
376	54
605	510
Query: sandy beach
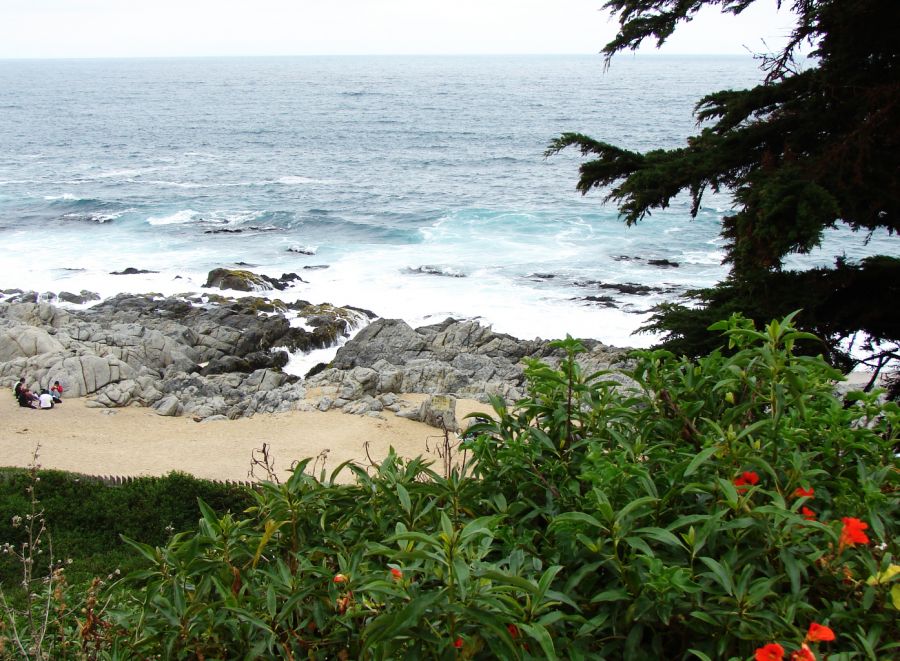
137	441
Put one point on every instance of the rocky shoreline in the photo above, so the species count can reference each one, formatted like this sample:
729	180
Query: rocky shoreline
215	357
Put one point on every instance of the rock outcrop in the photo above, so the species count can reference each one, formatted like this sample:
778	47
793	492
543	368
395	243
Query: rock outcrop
241	280
218	357
459	358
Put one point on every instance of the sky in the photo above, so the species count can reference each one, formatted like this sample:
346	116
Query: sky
167	28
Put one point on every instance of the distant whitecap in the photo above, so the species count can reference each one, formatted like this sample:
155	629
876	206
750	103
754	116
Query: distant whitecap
177	218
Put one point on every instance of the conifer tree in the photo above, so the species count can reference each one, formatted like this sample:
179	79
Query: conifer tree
816	144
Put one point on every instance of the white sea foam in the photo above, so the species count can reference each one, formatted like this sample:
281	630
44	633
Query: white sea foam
177	218
295	180
122	173
64	196
176	184
98	217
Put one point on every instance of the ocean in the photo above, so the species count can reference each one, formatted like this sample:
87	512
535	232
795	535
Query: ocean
415	187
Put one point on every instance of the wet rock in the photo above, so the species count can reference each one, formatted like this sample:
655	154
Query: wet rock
131	271
630	288
604	301
243	280
237	279
78	299
663	263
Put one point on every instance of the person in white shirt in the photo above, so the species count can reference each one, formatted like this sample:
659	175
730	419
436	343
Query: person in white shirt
46	399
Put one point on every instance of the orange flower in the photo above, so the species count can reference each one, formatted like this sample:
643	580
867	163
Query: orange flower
807	513
818	633
746	480
803	654
396	573
852	532
770	652
339	578
800	492
458	643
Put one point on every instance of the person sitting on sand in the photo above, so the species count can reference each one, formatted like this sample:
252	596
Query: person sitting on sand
56	391
26	399
45	399
19	386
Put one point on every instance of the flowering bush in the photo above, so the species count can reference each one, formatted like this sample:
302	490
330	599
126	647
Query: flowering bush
730	507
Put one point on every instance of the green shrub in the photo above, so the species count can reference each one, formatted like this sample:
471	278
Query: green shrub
702	509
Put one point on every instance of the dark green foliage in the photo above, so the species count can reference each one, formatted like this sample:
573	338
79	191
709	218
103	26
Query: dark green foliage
86	517
836	303
811	147
597	520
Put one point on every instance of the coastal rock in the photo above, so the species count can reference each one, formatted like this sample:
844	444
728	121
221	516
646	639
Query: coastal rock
242	280
78	299
388	339
214	355
438	411
131	271
236	279
87	373
168	406
459	358
210	355
26	341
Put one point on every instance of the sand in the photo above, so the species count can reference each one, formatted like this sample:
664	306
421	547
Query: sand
137	441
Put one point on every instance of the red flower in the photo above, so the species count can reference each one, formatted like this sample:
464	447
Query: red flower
513	630
746	480
852	532
770	652
803	654
818	633
808	514
396	573
339	578
800	492
458	643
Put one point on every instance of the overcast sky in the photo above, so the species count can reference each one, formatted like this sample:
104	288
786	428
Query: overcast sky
141	28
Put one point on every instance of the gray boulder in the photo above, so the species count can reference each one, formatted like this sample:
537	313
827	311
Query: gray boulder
169	406
25	342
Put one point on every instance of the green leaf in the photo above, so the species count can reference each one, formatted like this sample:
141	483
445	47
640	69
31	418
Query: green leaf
481	525
660	535
403	495
792	568
145	550
699	460
540	634
547	578
700	655
634	505
720	573
618	594
522	584
270	528
575	518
